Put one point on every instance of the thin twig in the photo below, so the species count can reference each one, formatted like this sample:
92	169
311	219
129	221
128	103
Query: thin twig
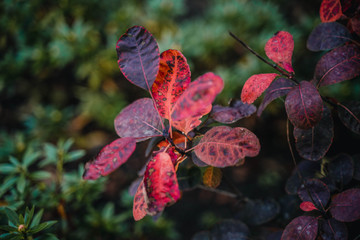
219	191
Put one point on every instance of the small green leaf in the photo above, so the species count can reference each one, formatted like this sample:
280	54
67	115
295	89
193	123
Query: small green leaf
12	216
7	184
7	168
50	153
30	157
36	219
108	211
74	155
7	236
40	175
48	236
67	144
21	183
41	227
28	216
21	219
14	161
8	228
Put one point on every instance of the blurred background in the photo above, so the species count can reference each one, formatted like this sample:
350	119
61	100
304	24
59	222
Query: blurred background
61	88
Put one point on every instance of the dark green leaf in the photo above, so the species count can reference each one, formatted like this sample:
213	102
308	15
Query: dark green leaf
7	168
41	227
36	219
40	175
74	155
21	183
8	228
30	157
28	215
12	216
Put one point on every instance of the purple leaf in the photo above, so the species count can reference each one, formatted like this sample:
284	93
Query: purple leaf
327	36
349	114
233	113
312	144
318	190
110	158
278	88
342	63
330	229
345	206
138	57
341	169
304	105
304	227
139	120
356	159
230	230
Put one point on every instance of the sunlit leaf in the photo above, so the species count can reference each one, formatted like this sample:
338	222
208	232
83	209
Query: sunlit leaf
345	206
331	229
255	86
304	227
138	57
304	105
212	177
172	80
280	48
139	120
197	97
327	36
110	158
312	144
314	190
233	113
139	204
160	183
224	146
349	114
330	10
342	63
307	206
341	169
278	88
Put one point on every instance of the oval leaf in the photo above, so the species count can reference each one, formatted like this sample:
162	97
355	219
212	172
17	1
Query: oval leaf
330	229
160	183
342	63
138	57
172	80
330	10
139	120
229	230
327	36
255	86
233	113
224	146
304	227
212	177
304	105
278	88
307	206
280	48
258	212
341	169
110	158
345	206
349	114
312	144
139	204
315	191
197	97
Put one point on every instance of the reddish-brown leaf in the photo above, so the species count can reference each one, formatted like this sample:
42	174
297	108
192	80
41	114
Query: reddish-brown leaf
280	48
139	204
307	206
303	227
345	206
212	177
160	183
224	146
139	120
342	63
138	57
110	158
304	105
197	97
172	80
255	86
236	111
330	10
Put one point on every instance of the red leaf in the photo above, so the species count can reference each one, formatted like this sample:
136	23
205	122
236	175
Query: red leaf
280	48
139	120
139	204
312	144
279	87
304	105
197	97
160	183
255	86
342	63
172	80
138	56
345	206
224	146
307	206
110	158
304	227
330	10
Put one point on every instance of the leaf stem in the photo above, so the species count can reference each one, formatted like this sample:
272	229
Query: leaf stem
275	66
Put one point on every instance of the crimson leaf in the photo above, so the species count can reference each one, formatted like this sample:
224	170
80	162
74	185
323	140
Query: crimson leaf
330	10
255	86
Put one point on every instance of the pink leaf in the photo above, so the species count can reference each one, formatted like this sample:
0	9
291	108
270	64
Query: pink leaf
110	158
280	48
139	204
307	206
255	86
